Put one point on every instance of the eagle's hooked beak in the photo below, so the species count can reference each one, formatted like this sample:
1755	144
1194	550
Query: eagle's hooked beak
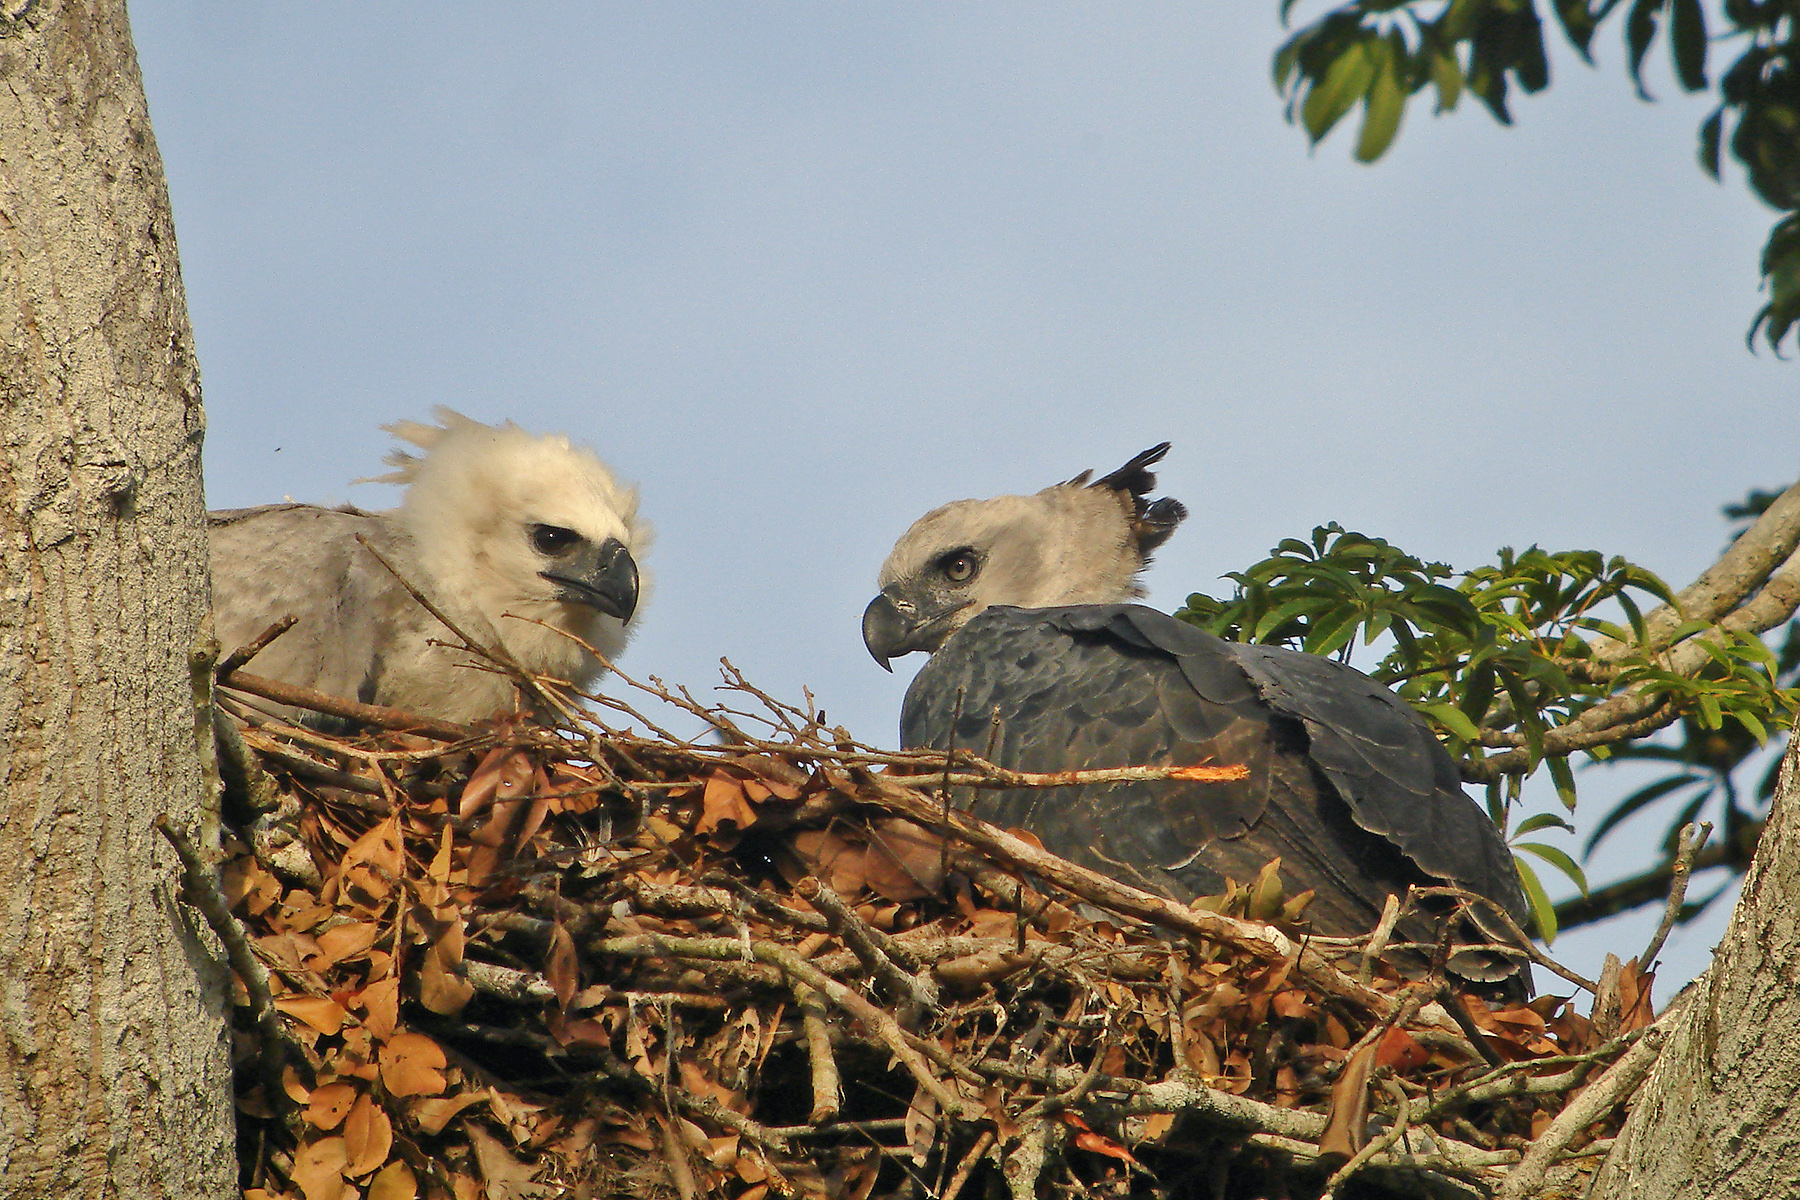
603	577
894	625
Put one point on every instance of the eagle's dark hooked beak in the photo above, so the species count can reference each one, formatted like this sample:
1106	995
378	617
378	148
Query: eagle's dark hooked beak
884	630
603	577
894	625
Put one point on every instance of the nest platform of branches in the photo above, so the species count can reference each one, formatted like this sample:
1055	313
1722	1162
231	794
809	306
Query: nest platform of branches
580	955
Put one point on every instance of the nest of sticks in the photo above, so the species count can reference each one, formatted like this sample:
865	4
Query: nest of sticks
578	954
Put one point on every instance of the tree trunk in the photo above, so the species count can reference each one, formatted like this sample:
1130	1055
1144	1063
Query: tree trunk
115	1076
1717	1116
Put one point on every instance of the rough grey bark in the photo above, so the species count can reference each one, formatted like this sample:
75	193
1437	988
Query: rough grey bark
1718	1116
114	1071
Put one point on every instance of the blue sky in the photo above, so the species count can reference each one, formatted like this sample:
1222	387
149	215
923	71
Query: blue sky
806	270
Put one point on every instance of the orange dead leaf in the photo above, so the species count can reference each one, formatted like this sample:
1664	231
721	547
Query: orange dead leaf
319	1170
559	965
328	1104
1157	1126
372	863
345	941
412	1065
1401	1051
502	775
394	1182
440	863
904	861
1096	1143
380	1002
435	1113
368	1136
724	800
245	881
317	1012
507	1178
1346	1125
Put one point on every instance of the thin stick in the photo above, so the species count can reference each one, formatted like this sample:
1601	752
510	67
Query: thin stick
827	1088
279	1046
876	952
1689	840
251	649
397	719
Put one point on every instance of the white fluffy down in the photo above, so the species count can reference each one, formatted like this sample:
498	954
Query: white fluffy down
462	536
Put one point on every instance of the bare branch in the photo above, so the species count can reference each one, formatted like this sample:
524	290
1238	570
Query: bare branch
1728	583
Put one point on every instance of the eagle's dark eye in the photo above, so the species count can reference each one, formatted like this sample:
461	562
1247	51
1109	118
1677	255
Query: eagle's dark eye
553	539
958	566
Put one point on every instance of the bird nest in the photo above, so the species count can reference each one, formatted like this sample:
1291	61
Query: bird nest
582	955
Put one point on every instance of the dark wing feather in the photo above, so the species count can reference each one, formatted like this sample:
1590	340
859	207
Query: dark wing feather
1346	785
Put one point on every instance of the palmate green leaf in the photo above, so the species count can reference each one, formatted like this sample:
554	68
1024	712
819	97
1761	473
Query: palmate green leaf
1344	83
1332	633
1558	859
1781	271
1640	31
1447	78
1542	911
1564	779
1384	104
1537	821
1687	43
1453	719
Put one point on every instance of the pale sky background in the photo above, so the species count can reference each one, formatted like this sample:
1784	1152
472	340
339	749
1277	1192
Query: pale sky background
803	271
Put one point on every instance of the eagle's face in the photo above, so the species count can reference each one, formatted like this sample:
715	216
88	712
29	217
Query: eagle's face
1029	551
510	525
1072	543
601	576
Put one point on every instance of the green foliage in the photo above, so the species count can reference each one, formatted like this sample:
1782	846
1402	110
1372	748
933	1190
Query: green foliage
1501	657
1379	53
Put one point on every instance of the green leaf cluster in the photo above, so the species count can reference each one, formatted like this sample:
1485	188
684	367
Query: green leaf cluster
1501	657
1379	53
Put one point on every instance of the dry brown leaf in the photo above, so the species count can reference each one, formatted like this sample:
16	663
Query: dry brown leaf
1157	1125
317	1012
506	1177
441	989
319	1170
921	1125
560	968
245	881
343	942
412	1065
441	861
1097	1143
502	775
289	950
394	1182
1400	1050
436	1112
724	801
380	1002
329	1103
368	1136
905	862
372	864
1347	1120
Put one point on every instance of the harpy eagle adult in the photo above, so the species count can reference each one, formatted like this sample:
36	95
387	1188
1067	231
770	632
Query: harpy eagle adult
499	527
1019	602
